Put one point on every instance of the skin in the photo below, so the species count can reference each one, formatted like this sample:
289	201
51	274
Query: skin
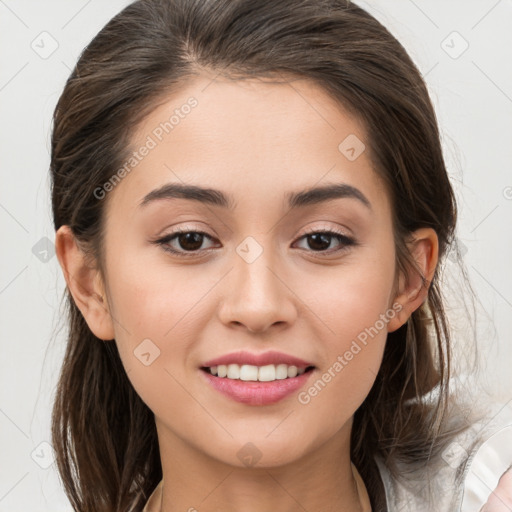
255	141
500	500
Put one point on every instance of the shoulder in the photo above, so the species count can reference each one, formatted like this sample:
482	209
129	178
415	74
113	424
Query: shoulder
464	473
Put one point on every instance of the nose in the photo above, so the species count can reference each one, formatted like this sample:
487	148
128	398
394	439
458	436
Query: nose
257	296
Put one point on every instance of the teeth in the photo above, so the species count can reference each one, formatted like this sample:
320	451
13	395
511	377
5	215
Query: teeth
233	371
267	373
248	372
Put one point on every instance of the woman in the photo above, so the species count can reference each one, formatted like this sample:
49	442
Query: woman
251	207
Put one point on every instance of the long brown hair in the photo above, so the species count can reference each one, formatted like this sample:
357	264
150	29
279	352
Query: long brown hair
103	434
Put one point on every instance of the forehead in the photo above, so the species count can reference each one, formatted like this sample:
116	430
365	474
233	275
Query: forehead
256	136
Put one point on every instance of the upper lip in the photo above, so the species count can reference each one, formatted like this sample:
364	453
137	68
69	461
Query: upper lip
272	357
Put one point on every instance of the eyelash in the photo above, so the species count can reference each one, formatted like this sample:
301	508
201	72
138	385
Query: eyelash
346	241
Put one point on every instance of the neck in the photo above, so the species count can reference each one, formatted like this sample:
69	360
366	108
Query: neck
320	480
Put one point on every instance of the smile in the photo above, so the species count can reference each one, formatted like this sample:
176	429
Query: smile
253	385
248	372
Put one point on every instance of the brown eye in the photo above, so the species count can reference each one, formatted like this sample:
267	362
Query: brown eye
319	241
190	241
184	242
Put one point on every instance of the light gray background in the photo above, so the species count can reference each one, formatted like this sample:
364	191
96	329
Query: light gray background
472	93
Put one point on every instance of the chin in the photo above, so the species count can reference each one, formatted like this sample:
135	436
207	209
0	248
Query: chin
259	452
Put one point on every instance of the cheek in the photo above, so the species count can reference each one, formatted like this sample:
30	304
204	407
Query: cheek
354	310
354	298
159	316
154	301
342	384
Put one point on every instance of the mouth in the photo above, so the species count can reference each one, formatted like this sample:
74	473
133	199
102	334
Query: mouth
252	373
253	385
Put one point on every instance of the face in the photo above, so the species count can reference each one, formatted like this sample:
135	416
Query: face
311	279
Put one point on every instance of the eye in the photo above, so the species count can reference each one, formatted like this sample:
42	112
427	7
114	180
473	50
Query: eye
318	241
188	240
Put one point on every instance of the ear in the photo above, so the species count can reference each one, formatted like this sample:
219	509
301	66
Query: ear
85	284
412	293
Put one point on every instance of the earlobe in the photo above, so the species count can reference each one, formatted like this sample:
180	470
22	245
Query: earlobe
414	291
84	283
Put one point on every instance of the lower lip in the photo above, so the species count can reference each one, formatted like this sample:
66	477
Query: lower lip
255	392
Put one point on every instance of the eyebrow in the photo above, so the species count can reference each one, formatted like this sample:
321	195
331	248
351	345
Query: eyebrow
215	197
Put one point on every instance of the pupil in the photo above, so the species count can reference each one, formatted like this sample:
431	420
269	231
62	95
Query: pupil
324	240
194	238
